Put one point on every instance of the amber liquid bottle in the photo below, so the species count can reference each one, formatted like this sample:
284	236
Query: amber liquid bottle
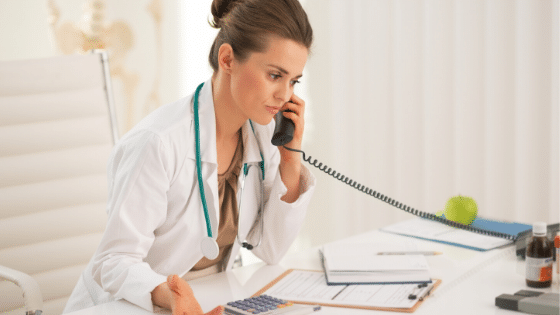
538	258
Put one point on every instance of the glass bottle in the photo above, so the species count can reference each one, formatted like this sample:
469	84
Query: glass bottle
538	258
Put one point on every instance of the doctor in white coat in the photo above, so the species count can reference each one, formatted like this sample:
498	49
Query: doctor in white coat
156	221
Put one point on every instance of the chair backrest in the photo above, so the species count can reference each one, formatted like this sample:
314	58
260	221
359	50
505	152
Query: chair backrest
57	127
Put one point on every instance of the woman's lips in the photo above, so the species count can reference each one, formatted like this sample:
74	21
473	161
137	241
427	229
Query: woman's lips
272	110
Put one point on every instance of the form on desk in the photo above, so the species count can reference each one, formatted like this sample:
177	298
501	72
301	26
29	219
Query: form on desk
310	287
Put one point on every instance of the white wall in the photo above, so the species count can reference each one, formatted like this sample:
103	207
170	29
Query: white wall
423	100
420	100
24	31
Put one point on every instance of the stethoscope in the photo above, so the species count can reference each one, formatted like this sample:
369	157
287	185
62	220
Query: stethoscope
209	246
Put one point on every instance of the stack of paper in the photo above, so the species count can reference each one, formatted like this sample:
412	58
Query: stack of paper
360	263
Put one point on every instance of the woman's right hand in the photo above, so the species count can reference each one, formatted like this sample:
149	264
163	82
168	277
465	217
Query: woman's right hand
184	302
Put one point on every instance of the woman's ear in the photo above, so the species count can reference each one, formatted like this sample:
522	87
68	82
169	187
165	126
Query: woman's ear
225	58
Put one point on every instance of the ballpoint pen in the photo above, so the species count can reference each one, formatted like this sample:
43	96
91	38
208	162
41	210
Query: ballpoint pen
426	253
421	295
426	293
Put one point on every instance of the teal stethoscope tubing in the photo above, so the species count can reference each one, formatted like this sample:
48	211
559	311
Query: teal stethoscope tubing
199	172
198	161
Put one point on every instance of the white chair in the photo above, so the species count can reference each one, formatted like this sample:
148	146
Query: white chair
57	127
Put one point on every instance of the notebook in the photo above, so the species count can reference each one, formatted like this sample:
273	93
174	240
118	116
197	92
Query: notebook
438	232
359	263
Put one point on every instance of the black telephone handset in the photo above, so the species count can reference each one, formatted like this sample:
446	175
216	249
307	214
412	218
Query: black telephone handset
284	133
284	130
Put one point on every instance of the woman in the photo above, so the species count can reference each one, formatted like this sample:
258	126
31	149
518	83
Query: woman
157	237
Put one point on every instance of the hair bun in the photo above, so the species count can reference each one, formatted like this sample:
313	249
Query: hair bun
220	8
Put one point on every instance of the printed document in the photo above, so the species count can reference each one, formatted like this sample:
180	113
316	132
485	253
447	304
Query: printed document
311	287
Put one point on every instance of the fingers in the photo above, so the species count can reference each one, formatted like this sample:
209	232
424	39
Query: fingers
295	117
297	107
178	285
296	100
217	311
296	104
172	282
184	302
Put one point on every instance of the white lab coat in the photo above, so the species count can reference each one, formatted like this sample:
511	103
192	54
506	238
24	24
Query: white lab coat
155	218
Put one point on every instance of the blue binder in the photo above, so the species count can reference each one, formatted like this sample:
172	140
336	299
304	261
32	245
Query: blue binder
488	227
511	228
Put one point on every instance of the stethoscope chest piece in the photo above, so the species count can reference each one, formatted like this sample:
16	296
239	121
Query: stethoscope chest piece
209	248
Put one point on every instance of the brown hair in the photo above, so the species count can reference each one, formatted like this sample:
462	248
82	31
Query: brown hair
245	24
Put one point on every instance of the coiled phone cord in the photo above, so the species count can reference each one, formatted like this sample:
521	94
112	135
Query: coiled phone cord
394	203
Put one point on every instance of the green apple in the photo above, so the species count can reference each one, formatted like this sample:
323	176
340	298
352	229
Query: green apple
461	209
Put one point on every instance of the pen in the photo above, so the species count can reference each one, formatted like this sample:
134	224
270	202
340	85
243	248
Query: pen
304	310
420	296
410	253
426	293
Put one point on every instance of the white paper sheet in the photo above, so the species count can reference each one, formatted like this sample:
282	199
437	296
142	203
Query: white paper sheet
364	257
311	286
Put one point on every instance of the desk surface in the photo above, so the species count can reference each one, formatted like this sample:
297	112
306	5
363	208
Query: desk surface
471	280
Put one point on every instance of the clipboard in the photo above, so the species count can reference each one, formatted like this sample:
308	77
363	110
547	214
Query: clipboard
435	284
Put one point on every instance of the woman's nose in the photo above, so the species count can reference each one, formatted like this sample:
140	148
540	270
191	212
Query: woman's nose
284	93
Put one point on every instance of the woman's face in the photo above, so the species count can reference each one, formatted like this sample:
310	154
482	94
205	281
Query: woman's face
265	81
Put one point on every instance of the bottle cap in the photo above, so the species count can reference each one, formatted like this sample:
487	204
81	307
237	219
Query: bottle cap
539	228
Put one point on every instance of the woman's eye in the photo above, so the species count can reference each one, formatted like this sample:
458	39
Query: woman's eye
294	82
274	76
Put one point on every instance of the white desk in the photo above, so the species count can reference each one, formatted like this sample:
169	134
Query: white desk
471	280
